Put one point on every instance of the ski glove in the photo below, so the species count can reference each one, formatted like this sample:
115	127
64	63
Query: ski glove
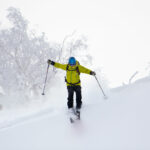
92	73
50	62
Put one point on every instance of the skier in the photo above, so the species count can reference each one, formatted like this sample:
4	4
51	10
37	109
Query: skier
73	70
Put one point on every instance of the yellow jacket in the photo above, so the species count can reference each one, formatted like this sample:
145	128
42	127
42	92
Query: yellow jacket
72	73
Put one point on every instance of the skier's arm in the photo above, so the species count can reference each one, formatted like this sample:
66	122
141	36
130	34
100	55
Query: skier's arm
60	66
86	70
57	65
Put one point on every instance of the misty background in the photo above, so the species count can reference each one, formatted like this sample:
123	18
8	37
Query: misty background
117	31
108	37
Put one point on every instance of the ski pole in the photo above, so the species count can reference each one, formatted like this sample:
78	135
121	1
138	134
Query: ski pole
100	87
45	80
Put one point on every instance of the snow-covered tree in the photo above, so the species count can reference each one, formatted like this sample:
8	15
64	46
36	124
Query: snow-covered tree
23	55
75	45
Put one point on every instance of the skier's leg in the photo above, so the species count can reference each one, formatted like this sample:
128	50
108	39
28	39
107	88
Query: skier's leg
70	96
78	97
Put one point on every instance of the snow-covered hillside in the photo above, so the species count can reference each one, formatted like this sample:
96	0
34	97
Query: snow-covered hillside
119	123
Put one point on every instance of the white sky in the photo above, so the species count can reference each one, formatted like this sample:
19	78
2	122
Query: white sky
118	31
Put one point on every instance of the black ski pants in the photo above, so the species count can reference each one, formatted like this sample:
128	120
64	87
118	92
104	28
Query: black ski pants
77	90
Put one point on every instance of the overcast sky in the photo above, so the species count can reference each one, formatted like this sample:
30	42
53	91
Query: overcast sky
118	31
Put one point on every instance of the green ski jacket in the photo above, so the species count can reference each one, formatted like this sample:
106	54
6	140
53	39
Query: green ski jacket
72	73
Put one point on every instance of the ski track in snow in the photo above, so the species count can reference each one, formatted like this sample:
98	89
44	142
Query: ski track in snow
26	118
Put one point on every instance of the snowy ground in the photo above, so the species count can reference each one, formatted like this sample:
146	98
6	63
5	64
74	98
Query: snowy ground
119	123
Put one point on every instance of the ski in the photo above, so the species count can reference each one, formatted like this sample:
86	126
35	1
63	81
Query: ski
71	120
77	116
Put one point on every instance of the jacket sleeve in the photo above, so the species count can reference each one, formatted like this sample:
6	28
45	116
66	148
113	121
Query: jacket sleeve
60	66
84	70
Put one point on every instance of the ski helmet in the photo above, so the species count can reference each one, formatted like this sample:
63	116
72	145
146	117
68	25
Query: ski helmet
72	61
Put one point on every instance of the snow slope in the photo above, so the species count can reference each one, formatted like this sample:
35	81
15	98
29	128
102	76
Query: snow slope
119	123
